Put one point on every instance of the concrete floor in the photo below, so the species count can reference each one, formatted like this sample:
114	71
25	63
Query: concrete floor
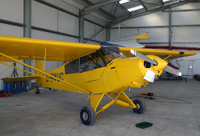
174	112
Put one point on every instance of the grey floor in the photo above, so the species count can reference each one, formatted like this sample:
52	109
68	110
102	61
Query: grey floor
174	112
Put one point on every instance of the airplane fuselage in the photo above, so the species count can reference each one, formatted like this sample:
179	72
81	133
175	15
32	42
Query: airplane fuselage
117	75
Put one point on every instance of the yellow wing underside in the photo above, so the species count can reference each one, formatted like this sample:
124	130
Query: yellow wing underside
37	49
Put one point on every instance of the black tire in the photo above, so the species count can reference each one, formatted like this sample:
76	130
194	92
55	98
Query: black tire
87	115
37	90
141	106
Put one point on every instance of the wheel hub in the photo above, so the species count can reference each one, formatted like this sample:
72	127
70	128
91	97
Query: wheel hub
85	116
138	106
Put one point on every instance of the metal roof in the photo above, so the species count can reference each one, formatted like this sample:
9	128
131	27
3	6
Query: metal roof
115	12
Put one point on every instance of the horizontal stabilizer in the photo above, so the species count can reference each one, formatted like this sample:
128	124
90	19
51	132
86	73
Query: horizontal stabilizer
142	36
23	78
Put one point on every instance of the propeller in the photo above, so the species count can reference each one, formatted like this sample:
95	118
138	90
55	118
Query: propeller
172	71
140	55
167	68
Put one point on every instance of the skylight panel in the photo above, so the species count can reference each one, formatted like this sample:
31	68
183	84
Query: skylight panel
165	0
135	8
123	1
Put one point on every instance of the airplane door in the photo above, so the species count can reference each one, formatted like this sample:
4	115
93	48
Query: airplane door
92	75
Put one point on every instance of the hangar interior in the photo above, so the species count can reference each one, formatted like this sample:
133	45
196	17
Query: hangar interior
171	24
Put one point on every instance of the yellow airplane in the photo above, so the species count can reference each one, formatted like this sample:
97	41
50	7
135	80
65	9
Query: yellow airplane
96	70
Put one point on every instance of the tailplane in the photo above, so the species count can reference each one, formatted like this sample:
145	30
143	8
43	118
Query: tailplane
142	36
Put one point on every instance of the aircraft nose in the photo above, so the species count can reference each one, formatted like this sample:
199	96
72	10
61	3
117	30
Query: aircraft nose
161	64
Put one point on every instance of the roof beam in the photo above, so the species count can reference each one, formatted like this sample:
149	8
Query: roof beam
96	6
123	8
140	1
167	6
110	16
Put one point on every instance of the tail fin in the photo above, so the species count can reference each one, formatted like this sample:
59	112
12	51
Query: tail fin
142	36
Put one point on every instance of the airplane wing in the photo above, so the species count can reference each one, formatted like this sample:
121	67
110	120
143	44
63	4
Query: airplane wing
30	49
164	54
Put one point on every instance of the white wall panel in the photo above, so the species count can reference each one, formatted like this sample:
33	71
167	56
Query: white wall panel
12	10
195	5
68	24
184	18
69	5
89	29
91	42
155	19
11	30
102	35
43	35
44	16
186	34
96	18
68	39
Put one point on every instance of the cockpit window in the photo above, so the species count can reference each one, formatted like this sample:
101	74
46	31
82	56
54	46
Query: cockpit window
95	60
91	61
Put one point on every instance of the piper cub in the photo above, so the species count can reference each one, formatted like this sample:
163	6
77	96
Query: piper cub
92	69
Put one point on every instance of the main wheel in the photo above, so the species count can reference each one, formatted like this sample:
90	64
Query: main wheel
141	106
87	115
37	90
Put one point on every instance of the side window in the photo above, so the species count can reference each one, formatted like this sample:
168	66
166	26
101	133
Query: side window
72	67
91	62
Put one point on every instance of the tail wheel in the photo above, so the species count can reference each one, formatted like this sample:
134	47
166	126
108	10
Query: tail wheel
37	90
87	115
141	106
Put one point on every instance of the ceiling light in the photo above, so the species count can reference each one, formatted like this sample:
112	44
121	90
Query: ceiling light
123	1
135	8
165	0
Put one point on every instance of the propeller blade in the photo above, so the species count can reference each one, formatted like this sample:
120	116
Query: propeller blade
172	71
140	55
